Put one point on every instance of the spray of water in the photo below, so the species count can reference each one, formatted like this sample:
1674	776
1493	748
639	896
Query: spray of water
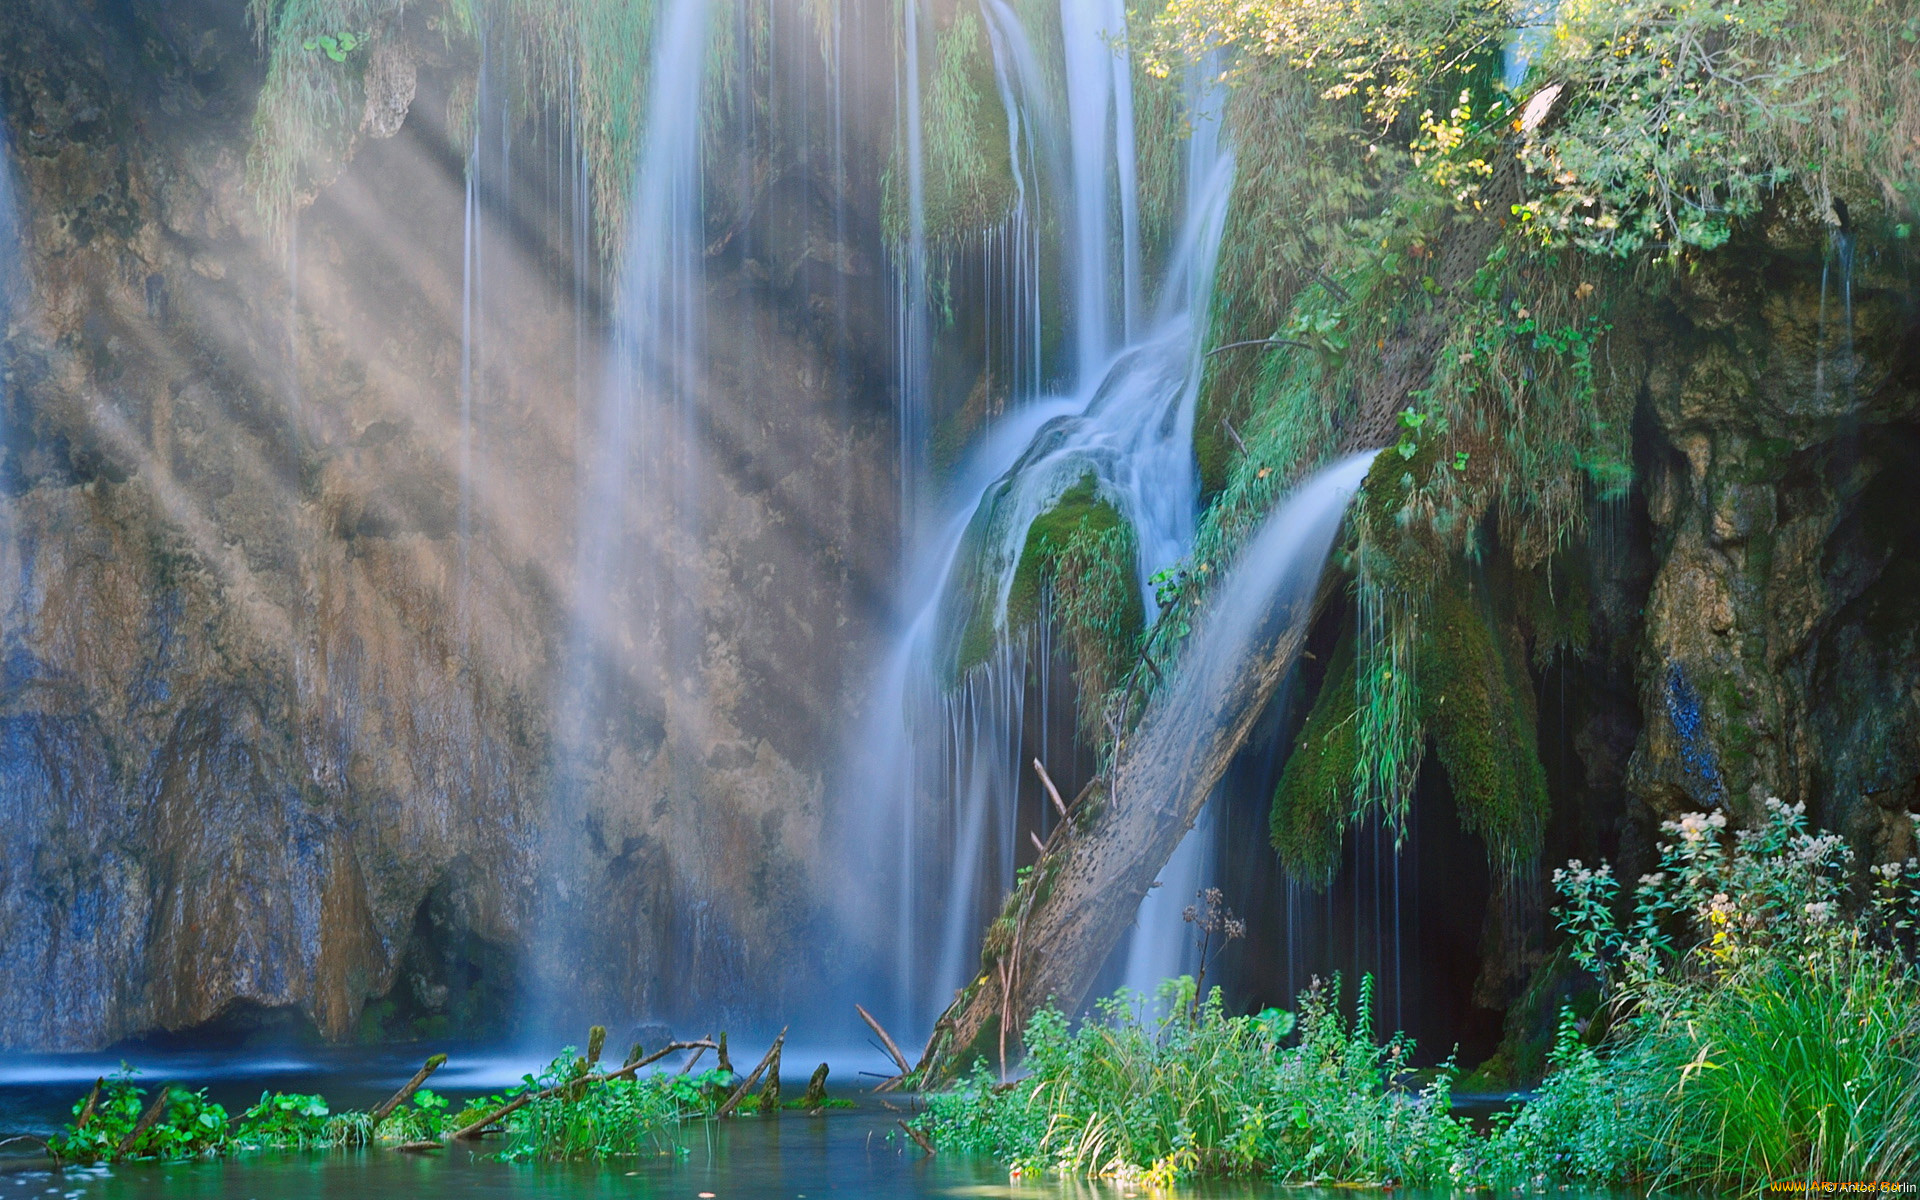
636	469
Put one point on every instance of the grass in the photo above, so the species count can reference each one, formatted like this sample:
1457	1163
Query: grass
1155	1098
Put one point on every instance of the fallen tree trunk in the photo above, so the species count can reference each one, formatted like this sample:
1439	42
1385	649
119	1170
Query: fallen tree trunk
1082	894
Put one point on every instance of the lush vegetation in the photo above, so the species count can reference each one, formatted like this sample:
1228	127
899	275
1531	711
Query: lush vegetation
566	1111
1763	1026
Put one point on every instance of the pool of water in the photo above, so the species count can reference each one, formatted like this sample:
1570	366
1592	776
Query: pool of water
851	1154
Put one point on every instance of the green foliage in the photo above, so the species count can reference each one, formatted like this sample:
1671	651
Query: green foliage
283	1119
615	1118
1772	1022
968	184
1193	1092
1685	117
422	1119
335	46
188	1126
1585	1124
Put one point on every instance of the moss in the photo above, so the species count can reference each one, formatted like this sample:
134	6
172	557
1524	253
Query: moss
1081	525
1476	702
967	181
1313	801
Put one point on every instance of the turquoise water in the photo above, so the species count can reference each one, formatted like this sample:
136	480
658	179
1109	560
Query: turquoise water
853	1154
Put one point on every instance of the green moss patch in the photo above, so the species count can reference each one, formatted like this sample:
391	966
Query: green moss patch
1313	802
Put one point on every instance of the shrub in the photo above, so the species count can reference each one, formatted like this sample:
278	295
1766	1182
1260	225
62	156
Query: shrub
1771	1018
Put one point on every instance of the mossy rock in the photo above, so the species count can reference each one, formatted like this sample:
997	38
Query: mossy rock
1313	801
1080	515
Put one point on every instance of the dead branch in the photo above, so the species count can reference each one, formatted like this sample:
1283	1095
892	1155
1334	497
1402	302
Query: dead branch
1053	793
899	1059
161	1104
919	1139
406	1091
771	1056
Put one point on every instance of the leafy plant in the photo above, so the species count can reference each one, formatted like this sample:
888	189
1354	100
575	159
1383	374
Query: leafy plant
336	46
187	1125
286	1119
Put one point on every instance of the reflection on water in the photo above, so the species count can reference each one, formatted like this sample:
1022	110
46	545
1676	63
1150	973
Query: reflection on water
854	1153
846	1154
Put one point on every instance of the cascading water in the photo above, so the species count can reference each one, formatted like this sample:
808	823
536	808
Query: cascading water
14	291
935	775
638	474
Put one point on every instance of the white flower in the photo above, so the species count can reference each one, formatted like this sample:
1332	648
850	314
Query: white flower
1818	912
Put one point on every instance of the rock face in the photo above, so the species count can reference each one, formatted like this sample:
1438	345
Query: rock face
1779	654
278	694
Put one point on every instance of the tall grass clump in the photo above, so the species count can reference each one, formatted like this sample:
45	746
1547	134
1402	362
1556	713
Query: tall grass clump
1137	1094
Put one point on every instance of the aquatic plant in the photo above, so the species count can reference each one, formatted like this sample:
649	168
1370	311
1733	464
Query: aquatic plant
284	1119
117	1120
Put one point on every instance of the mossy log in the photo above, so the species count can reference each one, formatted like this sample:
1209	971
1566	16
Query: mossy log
1081	896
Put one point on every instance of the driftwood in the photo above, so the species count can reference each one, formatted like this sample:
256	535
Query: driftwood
406	1091
919	1139
1053	793
816	1096
740	1093
476	1128
420	1147
687	1067
884	1037
770	1091
726	1063
161	1104
93	1102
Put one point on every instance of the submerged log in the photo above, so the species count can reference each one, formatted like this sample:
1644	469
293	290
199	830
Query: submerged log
919	1139
406	1091
740	1093
816	1097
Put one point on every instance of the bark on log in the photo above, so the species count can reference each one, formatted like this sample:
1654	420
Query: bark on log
162	1103
93	1102
893	1050
740	1093
816	1097
407	1089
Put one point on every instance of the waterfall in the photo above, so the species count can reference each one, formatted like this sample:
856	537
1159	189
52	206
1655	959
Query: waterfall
935	771
639	468
14	295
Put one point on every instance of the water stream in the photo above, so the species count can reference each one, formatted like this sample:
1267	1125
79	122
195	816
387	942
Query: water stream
640	490
937	768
